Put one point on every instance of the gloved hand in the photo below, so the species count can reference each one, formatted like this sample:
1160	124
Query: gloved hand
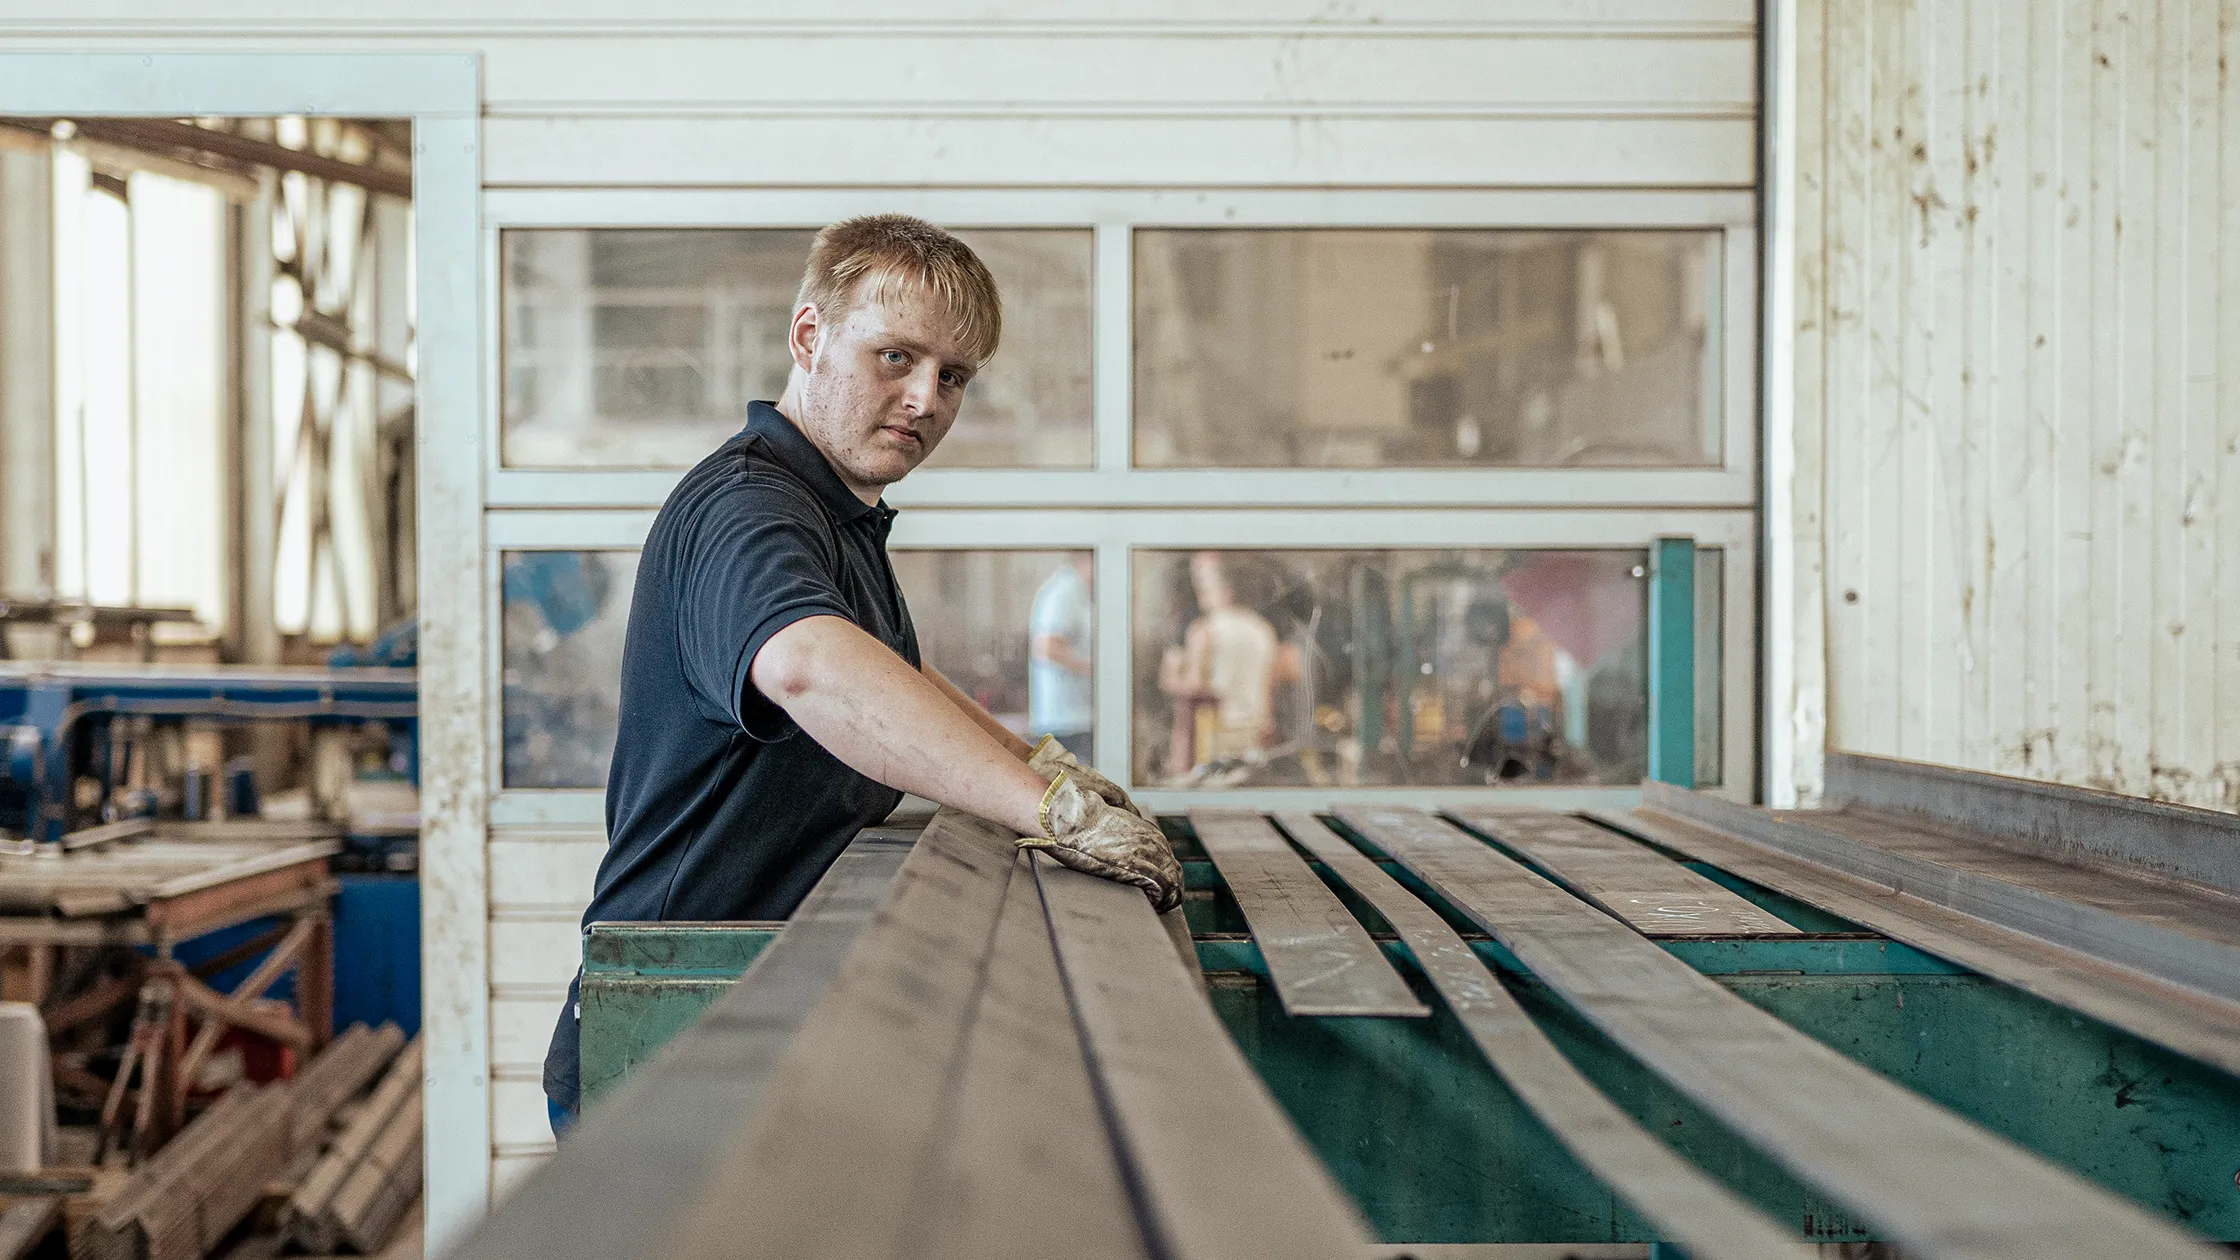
1084	832
1050	758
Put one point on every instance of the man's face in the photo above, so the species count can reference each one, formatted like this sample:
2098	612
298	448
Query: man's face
880	390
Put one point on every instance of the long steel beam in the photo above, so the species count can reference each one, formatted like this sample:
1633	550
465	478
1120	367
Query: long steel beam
1921	1176
1687	1204
2063	822
2208	965
649	1149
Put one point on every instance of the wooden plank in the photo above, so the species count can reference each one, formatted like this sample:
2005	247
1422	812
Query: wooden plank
1655	894
1025	1114
1220	1173
830	1164
1686	1205
2180	1019
651	1146
1322	961
1920	1175
2013	890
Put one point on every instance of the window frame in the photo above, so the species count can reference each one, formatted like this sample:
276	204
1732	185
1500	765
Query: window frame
1115	507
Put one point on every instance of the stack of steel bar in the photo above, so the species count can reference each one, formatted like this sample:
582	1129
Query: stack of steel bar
986	1055
2123	909
340	1072
1006	1060
357	1191
185	1201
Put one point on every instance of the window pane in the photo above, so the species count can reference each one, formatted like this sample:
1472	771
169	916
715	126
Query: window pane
1387	668
640	348
1015	630
1388	348
565	613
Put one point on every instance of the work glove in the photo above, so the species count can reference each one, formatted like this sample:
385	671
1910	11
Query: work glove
1050	758
1081	830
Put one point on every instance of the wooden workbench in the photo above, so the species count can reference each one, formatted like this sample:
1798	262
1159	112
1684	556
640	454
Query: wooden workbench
144	894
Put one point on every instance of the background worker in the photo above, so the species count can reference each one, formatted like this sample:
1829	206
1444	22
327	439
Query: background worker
773	699
1061	643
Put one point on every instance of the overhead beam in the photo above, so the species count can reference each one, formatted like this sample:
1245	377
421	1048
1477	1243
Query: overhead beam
185	141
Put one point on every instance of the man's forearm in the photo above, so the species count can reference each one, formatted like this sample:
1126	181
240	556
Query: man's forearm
971	708
881	718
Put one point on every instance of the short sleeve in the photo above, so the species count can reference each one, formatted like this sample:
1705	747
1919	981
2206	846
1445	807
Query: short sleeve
763	558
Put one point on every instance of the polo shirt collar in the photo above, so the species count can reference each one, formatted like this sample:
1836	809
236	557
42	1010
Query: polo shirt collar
793	448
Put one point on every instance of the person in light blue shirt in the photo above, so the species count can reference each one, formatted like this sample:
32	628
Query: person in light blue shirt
1061	642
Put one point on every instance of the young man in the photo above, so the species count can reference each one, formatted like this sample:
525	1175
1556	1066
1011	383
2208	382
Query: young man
773	701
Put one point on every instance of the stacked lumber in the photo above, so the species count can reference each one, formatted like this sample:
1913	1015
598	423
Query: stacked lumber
338	1075
183	1202
365	1181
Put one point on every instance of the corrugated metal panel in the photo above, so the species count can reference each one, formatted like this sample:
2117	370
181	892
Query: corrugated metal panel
2018	371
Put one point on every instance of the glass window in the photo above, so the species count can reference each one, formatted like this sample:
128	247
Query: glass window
640	348
1392	348
564	616
1015	630
1389	668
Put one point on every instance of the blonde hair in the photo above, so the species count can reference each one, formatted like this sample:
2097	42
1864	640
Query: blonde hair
870	258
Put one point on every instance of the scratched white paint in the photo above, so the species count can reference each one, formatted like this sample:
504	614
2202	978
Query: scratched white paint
2018	384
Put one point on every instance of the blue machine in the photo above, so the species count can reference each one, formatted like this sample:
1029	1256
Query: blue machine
59	725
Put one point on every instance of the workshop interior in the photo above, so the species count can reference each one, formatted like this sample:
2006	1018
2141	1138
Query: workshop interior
1658	566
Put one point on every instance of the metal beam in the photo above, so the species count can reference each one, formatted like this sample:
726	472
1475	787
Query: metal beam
1691	1207
2208	965
1321	959
646	1153
2063	822
2175	1018
185	141
1957	1192
1672	661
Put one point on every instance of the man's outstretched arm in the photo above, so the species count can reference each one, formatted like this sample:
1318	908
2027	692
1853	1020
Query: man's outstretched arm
866	706
985	720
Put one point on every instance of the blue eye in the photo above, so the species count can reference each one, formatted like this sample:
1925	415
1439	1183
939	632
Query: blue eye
895	357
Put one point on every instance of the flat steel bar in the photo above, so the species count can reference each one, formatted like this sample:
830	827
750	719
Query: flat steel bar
830	1164
1321	960
2178	1018
1655	894
1219	1172
2202	845
648	1151
1687	1206
1921	1176
2151	947
1027	1167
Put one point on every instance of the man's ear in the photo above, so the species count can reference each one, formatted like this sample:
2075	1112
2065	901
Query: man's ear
801	338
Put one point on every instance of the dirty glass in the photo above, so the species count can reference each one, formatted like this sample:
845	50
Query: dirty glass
563	618
641	347
1015	630
1326	668
1316	348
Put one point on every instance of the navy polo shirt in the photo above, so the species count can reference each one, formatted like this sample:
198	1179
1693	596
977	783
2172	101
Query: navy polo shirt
718	806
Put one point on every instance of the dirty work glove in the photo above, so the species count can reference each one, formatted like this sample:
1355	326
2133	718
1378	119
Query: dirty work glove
1050	758
1082	831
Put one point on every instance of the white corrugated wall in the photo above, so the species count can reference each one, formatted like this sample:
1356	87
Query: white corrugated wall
2018	386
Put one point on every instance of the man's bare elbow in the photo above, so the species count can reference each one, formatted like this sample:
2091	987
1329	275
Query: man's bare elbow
785	667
